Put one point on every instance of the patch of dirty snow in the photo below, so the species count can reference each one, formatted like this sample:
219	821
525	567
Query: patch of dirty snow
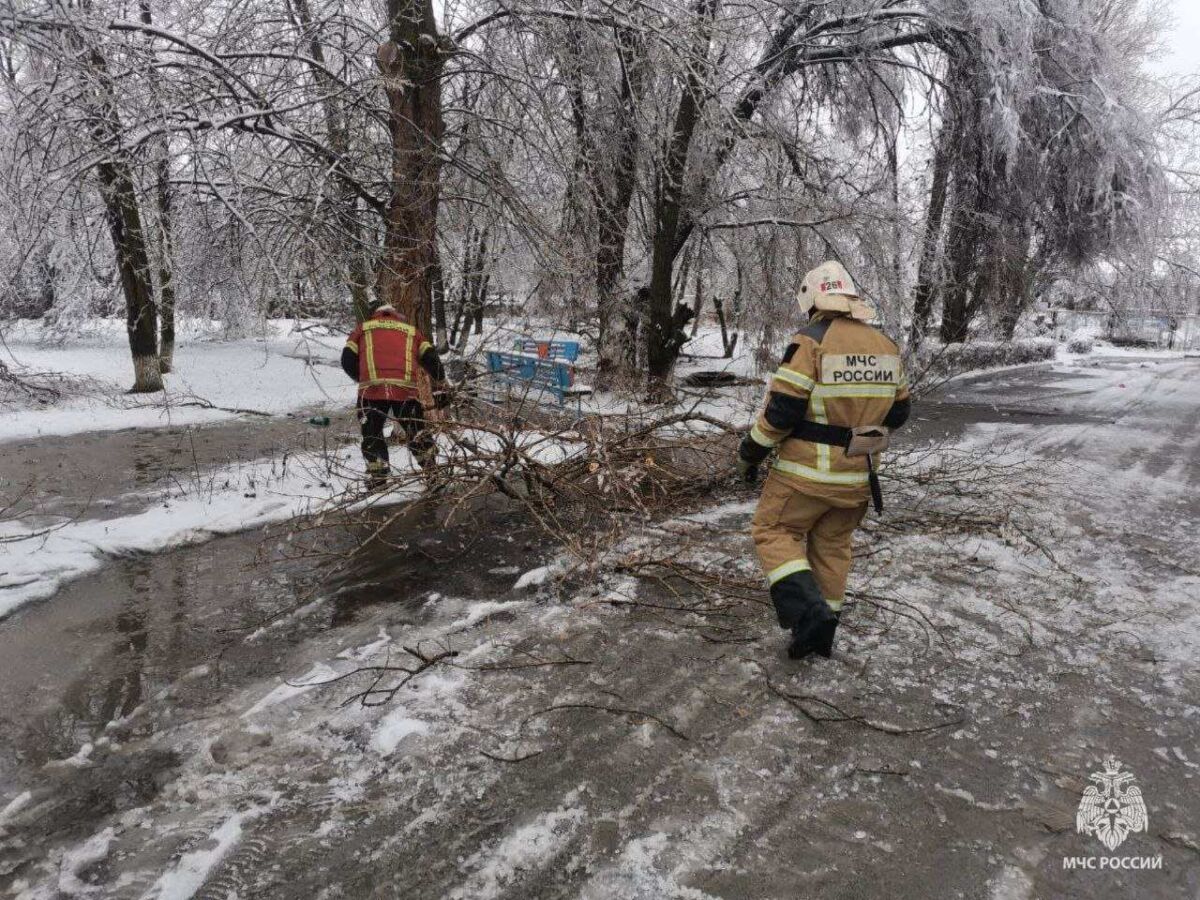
483	609
715	514
635	875
1011	884
366	651
188	875
319	674
77	859
537	577
80	760
393	728
524	849
14	806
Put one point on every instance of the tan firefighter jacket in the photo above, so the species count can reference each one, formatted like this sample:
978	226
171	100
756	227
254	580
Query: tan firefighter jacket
848	374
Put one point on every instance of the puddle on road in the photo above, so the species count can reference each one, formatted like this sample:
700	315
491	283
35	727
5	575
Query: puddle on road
107	643
114	641
422	551
88	474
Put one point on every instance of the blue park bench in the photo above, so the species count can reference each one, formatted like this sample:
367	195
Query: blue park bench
544	366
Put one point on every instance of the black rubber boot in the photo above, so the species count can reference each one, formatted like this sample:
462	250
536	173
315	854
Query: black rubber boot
801	608
377	475
814	636
797	598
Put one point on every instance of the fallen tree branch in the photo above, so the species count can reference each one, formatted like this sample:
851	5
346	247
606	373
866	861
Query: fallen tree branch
614	710
837	714
511	759
207	404
374	695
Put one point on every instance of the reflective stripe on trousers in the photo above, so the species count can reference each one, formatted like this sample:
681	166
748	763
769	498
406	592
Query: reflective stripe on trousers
794	532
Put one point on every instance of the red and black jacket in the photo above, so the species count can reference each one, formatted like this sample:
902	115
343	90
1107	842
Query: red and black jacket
382	354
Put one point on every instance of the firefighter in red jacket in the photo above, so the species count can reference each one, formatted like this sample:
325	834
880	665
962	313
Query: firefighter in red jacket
382	354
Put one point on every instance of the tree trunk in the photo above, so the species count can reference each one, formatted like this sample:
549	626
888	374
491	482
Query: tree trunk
480	279
1016	274
971	170
347	222
460	309
47	278
893	158
166	245
928	268
166	269
719	307
412	62
117	189
474	283
733	317
962	253
133	265
698	298
662	348
440	335
617	354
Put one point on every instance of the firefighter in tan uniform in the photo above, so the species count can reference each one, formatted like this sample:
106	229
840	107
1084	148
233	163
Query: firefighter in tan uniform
838	392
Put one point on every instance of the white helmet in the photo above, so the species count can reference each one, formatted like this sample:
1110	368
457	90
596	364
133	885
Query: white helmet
830	287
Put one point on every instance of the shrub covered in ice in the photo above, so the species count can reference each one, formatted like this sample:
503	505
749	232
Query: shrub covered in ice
1081	342
950	359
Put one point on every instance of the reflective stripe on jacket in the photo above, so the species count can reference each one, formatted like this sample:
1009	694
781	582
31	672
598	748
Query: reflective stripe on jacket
845	373
389	356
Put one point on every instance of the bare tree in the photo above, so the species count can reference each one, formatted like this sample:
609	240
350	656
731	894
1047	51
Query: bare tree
411	62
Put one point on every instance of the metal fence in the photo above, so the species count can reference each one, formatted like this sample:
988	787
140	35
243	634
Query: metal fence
1151	329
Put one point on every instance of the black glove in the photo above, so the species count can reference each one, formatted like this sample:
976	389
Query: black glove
747	470
750	456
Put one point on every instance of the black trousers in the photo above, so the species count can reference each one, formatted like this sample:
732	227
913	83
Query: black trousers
409	416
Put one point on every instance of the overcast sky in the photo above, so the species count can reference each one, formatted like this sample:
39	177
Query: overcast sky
1182	55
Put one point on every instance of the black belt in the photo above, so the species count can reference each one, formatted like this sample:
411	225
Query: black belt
820	433
839	436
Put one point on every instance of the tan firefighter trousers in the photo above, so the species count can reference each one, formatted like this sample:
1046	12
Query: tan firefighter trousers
795	532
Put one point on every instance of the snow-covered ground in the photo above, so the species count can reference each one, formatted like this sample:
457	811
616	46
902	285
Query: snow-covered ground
291	366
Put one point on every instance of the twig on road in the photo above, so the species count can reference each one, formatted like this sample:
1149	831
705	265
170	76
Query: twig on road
614	710
374	695
511	759
798	701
